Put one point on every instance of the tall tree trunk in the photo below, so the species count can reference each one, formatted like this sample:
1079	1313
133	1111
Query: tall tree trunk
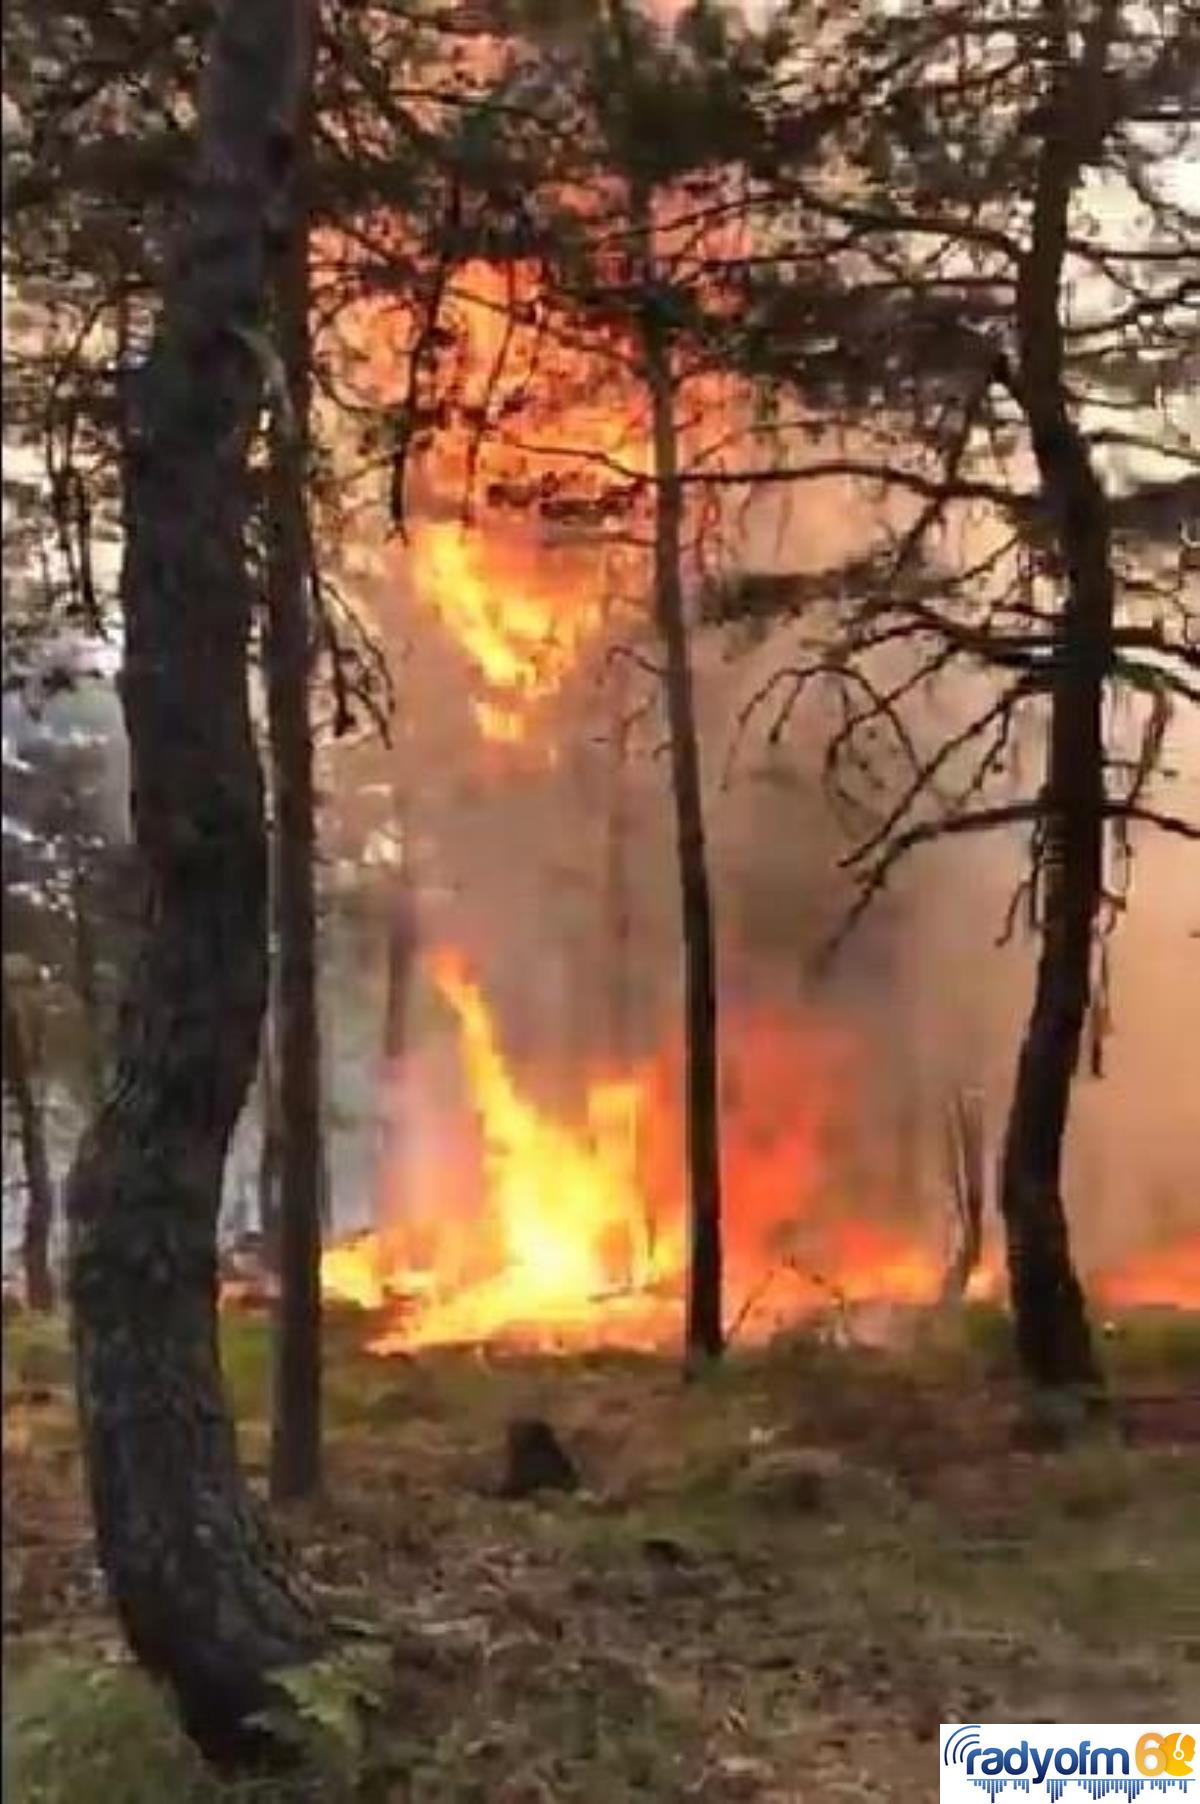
704	1332
295	1466
39	1189
1053	1335
203	1596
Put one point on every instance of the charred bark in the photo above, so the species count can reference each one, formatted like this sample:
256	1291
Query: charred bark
1053	1334
295	1468
31	1131
201	1593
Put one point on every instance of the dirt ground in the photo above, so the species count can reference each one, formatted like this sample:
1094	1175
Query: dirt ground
770	1585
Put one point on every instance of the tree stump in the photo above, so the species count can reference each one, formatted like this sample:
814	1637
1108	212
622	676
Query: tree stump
536	1460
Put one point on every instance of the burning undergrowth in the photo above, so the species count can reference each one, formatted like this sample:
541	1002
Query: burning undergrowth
566	1227
560	1228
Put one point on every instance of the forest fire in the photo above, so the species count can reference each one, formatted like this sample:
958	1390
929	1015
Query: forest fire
576	1236
575	1232
493	592
507	504
1166	1274
579	1237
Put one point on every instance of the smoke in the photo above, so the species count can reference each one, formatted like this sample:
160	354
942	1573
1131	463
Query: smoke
570	922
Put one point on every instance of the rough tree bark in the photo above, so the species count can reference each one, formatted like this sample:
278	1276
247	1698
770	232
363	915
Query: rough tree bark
201	1592
1053	1335
295	1465
31	1130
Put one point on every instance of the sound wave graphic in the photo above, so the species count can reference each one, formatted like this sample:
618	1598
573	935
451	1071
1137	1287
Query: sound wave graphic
959	1745
1130	1788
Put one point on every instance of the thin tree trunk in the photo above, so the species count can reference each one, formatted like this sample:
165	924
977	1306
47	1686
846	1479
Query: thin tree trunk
203	1596
295	1467
965	1169
704	1332
1053	1335
39	1189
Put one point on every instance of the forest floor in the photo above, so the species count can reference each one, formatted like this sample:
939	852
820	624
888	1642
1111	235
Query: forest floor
772	1584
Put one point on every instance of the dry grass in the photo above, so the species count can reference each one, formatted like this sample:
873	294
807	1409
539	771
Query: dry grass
772	1585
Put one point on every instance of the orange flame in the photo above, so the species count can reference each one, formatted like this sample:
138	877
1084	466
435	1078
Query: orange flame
1169	1274
507	543
564	1208
581	1233
514	618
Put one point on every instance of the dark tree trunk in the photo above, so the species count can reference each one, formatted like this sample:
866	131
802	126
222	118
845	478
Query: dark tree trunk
201	1592
31	1129
704	1333
1053	1335
296	1419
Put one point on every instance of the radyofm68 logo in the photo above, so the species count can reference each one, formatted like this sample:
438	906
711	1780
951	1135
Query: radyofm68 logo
1072	1760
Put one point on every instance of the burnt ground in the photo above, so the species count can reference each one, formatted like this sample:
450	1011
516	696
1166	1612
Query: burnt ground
769	1584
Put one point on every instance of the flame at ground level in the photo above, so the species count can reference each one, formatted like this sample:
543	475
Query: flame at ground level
863	1265
1169	1274
577	1236
580	1235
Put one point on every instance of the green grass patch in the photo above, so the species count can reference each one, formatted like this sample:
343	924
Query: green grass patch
76	1731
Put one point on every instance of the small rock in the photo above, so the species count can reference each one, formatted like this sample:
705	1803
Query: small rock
537	1460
